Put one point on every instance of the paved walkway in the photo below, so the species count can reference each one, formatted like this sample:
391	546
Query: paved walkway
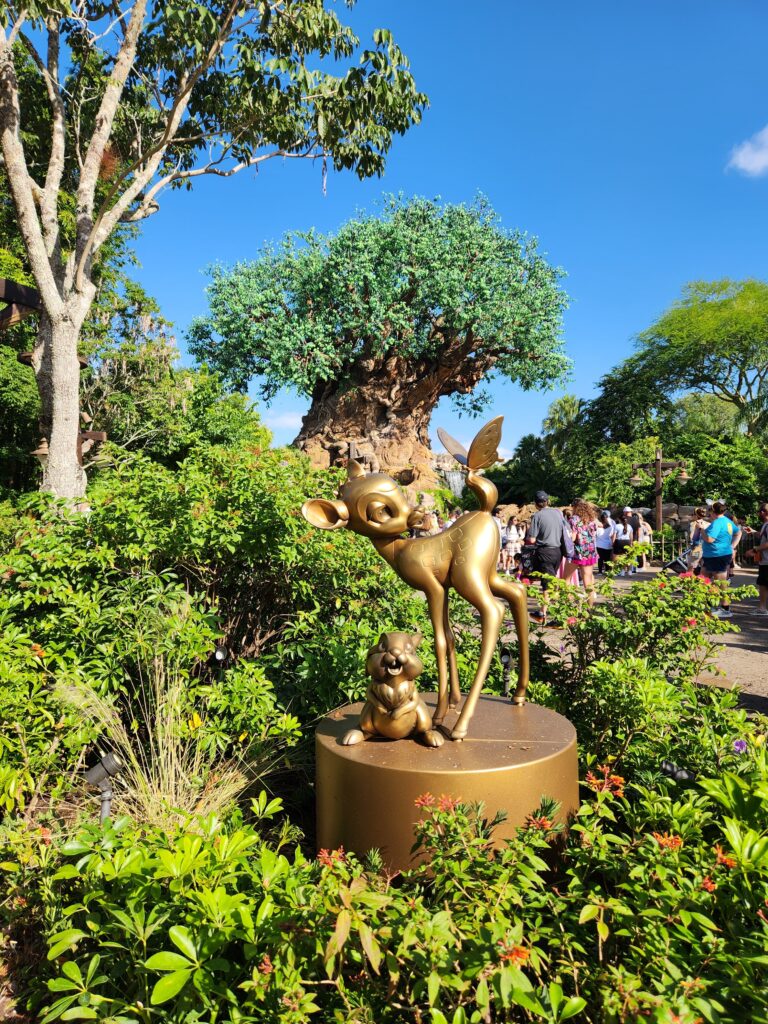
744	659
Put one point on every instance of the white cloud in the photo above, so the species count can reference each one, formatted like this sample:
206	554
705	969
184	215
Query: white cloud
751	157
285	421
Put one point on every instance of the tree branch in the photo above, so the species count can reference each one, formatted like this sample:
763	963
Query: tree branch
21	183
50	192
103	129
149	205
109	217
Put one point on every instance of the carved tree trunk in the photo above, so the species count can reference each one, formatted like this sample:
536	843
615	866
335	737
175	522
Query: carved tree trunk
385	414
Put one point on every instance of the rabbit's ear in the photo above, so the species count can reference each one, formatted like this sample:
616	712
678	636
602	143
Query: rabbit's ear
328	515
383	642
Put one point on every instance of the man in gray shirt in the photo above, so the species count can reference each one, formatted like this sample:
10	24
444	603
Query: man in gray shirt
546	532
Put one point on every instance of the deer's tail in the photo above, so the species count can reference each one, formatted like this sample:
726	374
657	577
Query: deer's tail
486	492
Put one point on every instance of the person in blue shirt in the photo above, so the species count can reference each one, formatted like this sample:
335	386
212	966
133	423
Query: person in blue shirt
719	540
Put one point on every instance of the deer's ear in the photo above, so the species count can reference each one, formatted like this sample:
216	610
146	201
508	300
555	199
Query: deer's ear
416	639
328	515
354	470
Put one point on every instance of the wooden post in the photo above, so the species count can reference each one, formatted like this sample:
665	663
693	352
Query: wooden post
659	508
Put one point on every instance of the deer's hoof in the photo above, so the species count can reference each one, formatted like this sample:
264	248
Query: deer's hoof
433	738
458	735
353	736
519	699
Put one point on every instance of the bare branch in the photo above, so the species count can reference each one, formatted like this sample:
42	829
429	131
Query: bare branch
21	183
49	206
109	217
102	131
16	27
149	204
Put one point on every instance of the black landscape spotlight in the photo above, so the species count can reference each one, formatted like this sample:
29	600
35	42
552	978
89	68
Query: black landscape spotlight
506	663
101	775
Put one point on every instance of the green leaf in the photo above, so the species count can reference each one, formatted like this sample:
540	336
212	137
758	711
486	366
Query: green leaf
64	940
370	945
182	939
168	961
588	912
433	987
573	1005
169	986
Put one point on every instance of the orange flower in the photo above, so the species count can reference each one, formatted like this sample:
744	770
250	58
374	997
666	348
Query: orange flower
724	858
608	784
514	955
708	885
425	800
540	822
265	967
37	650
666	841
45	835
447	803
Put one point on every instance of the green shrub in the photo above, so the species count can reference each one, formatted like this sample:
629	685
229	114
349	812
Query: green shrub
653	909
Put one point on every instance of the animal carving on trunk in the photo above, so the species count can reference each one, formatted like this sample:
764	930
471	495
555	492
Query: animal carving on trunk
464	557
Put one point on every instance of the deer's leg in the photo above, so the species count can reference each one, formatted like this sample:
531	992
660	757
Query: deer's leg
436	601
517	598
491	618
453	669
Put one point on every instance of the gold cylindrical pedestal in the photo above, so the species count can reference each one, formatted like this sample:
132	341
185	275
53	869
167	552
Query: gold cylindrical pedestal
512	757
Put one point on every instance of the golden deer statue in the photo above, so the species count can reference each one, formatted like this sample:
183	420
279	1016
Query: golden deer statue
464	557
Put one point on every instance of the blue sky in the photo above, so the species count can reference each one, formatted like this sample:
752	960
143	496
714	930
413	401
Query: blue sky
604	128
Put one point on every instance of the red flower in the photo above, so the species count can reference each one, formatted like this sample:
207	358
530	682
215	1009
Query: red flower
425	800
330	857
447	803
724	858
526	581
685	575
514	955
691	622
662	584
45	835
265	967
704	579
571	621
666	841
708	884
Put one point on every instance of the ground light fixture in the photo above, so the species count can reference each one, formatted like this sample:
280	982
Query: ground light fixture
220	654
506	664
100	776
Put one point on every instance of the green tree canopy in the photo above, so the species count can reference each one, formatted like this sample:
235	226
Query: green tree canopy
713	340
379	321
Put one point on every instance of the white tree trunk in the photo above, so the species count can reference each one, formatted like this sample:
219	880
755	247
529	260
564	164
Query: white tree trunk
58	376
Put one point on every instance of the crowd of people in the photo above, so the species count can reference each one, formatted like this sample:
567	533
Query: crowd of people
580	541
